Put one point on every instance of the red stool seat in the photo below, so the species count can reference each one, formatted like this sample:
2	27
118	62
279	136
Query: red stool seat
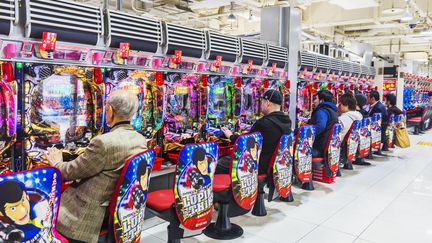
415	119
317	160
221	182
161	200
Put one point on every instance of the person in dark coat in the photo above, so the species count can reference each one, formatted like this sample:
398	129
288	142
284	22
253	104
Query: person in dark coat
323	118
378	107
272	126
392	109
361	102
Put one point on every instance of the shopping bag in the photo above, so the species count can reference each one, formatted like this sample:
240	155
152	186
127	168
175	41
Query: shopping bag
402	139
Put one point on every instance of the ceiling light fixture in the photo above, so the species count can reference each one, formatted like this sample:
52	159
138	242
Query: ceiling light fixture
407	16
232	18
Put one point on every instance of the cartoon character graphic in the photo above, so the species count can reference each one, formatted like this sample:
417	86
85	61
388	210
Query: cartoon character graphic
193	187
19	220
138	192
283	167
199	175
131	195
245	169
250	157
303	155
306	145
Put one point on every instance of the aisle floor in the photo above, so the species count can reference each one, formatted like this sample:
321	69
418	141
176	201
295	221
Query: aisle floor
390	201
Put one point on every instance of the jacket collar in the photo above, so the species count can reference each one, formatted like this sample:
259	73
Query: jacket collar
123	124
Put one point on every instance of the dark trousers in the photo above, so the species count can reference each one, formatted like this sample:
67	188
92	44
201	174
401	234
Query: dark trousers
384	137
223	165
317	153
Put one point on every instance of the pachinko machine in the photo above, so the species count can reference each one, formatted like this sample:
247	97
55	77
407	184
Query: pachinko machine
318	72
56	79
416	90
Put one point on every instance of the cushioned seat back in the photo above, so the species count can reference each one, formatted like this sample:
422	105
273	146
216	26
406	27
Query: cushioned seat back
390	130
303	153
333	148
193	185
281	166
352	140
244	169
128	202
29	202
365	137
376	130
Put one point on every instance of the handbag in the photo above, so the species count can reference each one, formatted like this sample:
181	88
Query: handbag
401	135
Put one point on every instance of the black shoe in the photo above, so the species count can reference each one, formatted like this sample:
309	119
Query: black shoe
386	149
359	162
378	153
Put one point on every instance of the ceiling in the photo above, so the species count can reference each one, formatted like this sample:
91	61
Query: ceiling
340	22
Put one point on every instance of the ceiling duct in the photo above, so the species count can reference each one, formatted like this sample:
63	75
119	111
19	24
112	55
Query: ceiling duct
253	50
9	15
223	45
73	22
142	33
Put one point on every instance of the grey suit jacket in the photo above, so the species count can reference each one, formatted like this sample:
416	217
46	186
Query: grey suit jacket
83	204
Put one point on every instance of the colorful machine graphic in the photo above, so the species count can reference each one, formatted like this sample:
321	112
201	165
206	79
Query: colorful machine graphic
334	148
283	165
244	169
30	201
63	107
365	137
128	204
193	185
303	153
391	130
353	140
376	130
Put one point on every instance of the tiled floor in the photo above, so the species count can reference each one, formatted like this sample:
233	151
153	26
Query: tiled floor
390	201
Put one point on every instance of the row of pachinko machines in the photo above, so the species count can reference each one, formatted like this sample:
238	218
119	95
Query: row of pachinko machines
416	89
57	74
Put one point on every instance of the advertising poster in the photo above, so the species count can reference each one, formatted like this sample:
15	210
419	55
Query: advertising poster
131	196
283	166
29	202
303	153
244	175
365	137
193	185
353	141
376	130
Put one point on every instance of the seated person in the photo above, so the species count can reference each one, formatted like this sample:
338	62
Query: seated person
392	109
347	107
84	203
323	118
361	102
272	126
378	107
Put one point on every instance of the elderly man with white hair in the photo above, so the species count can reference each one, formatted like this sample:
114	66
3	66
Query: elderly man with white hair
96	171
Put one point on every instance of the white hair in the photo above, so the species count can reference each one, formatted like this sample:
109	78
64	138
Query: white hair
124	104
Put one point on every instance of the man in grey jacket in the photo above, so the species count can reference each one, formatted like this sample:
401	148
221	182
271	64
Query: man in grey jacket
84	203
